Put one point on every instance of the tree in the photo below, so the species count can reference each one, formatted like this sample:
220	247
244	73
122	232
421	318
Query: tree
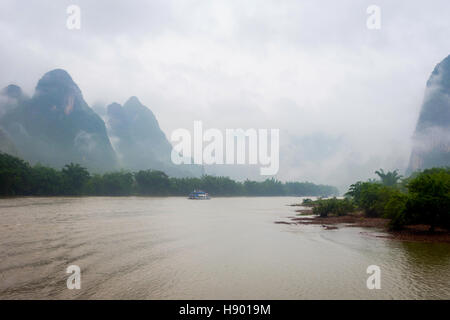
355	192
429	201
152	182
395	209
75	178
111	184
390	178
14	176
117	183
17	177
46	181
371	197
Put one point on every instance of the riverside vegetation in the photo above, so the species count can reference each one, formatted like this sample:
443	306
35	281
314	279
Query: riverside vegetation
421	199
20	178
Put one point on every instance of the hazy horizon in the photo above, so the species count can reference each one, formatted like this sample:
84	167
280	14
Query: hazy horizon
345	98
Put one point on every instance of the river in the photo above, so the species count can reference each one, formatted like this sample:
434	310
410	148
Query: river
224	248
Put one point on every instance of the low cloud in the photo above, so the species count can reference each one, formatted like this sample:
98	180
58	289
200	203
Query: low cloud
346	99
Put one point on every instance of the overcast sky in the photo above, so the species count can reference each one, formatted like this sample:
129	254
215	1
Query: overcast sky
345	98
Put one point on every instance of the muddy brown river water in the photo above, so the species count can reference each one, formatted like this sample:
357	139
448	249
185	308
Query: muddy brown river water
224	248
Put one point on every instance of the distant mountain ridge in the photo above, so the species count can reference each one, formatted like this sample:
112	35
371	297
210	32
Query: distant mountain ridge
56	126
139	141
431	141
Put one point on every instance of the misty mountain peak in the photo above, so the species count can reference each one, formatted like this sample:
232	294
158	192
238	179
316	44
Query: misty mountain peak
133	100
56	126
435	110
57	77
441	75
139	139
431	145
12	91
139	119
57	74
134	106
114	108
59	85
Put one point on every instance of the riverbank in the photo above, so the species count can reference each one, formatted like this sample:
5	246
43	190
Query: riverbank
416	233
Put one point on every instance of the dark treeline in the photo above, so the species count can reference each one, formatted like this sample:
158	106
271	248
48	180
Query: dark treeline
20	178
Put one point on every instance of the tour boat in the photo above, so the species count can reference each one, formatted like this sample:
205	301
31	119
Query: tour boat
199	195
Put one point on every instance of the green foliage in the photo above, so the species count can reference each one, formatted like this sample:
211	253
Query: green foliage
395	209
265	188
14	176
75	178
334	206
111	184
374	197
370	196
355	191
390	178
152	182
429	201
18	178
46	181
423	198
